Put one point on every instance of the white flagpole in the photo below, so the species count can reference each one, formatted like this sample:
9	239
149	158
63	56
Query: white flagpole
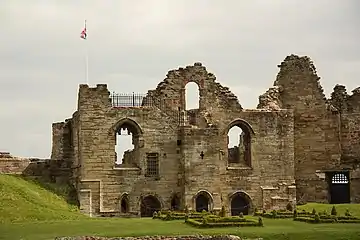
86	59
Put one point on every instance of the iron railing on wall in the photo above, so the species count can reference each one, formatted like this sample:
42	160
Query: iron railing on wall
125	100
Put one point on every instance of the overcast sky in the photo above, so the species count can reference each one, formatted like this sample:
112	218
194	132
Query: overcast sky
132	44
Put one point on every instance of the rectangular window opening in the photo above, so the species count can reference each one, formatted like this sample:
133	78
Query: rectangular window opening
152	162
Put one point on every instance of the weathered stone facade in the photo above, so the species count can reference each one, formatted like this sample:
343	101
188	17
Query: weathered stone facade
293	142
49	170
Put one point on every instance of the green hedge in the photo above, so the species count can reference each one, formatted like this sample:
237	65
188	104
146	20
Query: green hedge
170	216
328	219
275	214
221	222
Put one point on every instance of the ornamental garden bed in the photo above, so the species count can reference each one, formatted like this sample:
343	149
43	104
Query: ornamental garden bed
310	217
217	222
170	215
209	220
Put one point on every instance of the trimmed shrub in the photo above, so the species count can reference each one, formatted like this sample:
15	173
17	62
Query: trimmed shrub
313	211
347	213
333	211
289	207
222	212
260	222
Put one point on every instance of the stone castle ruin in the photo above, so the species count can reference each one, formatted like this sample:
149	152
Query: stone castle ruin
297	146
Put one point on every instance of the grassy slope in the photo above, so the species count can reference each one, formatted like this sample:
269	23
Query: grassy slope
28	211
22	200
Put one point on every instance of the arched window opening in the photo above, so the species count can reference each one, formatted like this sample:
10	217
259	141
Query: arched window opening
149	205
202	202
126	145
240	203
175	203
124	204
192	96
339	178
239	141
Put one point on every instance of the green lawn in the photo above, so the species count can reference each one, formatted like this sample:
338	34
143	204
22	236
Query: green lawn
274	229
28	211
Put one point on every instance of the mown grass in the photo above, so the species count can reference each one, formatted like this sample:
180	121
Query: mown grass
29	211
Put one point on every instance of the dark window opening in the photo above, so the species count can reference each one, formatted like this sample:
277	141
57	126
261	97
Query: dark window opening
149	205
239	142
124	204
152	162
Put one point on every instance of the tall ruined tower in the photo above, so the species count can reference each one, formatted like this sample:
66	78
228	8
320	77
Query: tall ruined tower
322	129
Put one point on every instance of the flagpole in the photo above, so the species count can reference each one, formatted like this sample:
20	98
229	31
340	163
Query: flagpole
86	60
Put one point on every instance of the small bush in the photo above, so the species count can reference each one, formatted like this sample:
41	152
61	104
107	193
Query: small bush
333	211
347	213
187	209
317	218
274	213
260	222
289	207
313	211
222	212
241	215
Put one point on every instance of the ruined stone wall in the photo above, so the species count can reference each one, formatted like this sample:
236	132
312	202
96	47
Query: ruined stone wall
171	91
45	169
316	132
204	146
325	131
272	162
62	147
12	165
347	108
192	153
102	182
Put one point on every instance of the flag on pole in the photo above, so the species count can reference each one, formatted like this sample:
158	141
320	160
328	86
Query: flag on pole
83	34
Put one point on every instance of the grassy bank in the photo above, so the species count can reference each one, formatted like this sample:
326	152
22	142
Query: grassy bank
24	201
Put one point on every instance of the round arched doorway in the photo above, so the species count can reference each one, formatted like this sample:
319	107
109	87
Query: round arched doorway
149	205
203	201
240	203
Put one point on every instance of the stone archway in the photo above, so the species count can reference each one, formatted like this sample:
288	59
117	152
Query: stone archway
149	205
203	201
240	202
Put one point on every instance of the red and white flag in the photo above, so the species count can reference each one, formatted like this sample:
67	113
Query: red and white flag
83	34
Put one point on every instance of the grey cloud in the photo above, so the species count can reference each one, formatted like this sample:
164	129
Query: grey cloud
132	45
